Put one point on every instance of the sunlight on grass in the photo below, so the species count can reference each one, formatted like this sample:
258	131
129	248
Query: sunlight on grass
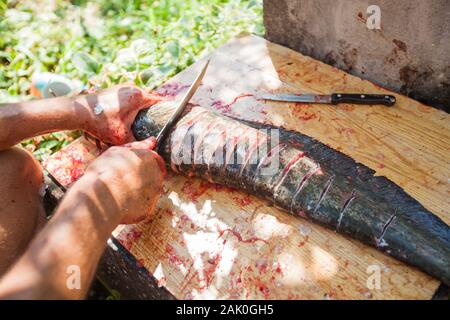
108	42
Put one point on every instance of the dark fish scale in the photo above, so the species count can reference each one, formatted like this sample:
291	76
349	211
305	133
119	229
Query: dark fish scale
291	181
313	181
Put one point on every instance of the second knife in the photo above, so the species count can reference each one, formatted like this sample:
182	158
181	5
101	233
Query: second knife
335	98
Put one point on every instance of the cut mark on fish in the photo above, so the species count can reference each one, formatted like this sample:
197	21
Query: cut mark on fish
250	152
344	208
199	141
274	151
302	183
196	117
219	143
292	163
380	241
177	145
324	192
230	152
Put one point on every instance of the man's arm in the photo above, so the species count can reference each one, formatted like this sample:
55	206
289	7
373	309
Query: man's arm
108	115
19	121
121	186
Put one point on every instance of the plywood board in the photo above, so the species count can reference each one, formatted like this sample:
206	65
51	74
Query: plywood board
207	241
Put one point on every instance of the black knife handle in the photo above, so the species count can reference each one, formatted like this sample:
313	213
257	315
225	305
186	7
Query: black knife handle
362	98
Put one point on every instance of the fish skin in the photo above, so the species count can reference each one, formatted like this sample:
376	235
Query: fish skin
329	187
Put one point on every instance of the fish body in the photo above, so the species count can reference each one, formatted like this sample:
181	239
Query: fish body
305	178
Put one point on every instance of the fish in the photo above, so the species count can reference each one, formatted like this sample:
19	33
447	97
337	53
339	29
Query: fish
309	180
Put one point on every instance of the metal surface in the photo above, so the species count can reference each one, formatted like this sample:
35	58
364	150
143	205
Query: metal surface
306	98
178	111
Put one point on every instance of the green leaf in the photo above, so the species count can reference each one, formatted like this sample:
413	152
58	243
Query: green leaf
115	41
85	63
49	144
173	48
141	47
3	6
146	75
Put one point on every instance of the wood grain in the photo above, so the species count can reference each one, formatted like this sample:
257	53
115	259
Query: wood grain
207	241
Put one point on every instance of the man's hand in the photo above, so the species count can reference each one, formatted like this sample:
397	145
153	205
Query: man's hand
131	175
120	186
107	114
114	110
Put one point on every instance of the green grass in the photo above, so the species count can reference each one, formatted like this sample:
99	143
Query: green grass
109	42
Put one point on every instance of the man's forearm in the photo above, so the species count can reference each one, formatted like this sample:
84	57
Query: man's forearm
19	121
107	114
72	241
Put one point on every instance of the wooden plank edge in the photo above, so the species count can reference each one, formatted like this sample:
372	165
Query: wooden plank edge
126	278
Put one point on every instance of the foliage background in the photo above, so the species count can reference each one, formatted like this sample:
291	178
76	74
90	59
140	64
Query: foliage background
106	42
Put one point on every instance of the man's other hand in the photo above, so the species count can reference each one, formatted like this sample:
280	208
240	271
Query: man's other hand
129	176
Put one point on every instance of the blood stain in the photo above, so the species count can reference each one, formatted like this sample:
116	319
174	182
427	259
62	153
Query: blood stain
244	201
302	243
128	238
262	288
346	130
210	269
261	265
171	89
173	257
226	107
347	107
303	116
279	269
239	237
194	191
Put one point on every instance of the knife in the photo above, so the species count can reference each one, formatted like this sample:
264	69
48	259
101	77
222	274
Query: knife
180	107
335	98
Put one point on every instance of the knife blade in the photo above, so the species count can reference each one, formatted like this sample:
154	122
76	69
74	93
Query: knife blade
335	98
180	107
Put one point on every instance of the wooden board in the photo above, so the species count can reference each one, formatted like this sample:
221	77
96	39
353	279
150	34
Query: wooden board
207	241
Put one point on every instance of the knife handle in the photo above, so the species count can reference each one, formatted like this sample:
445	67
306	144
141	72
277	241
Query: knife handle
362	98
